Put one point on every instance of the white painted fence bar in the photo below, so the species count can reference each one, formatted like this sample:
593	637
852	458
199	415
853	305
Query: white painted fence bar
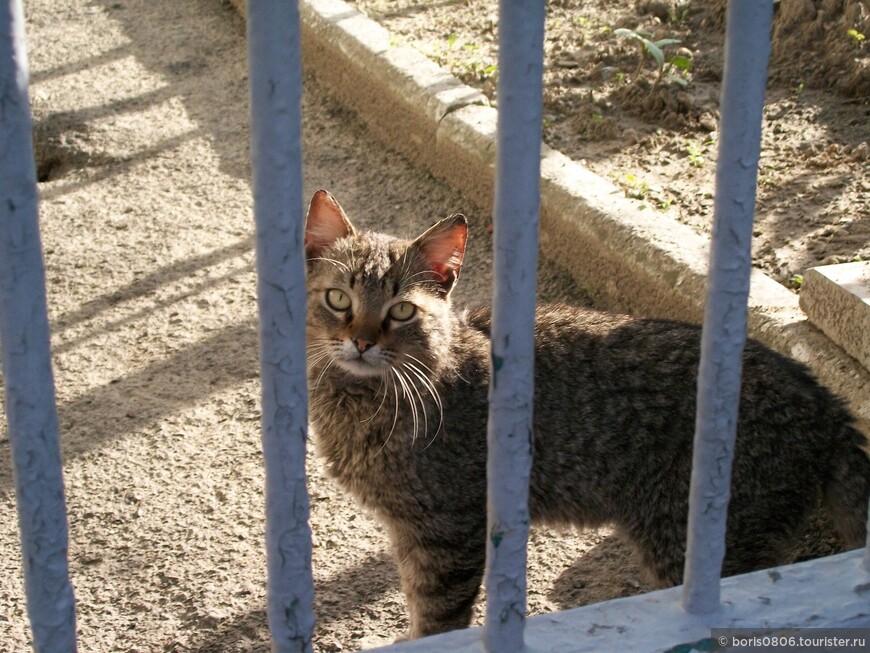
511	393
724	334
275	75
866	561
27	376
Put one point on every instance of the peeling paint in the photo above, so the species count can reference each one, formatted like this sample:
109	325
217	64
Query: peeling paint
701	645
862	589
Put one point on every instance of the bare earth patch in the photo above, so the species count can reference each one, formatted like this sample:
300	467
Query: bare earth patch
657	138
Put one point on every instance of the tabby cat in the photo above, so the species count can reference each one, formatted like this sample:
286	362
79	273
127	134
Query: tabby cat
398	407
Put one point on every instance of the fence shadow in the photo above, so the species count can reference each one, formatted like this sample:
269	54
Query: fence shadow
346	595
609	570
127	404
186	60
606	571
149	284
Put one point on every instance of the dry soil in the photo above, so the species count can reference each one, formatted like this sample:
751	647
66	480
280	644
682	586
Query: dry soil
656	136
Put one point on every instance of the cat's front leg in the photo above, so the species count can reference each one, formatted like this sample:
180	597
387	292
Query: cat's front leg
441	577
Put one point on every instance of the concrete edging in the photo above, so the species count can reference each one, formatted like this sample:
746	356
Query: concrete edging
628	259
836	298
824	593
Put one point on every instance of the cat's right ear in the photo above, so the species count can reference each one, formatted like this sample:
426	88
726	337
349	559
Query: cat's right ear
443	248
325	223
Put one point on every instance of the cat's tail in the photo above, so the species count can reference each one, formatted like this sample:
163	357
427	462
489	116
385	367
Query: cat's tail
848	493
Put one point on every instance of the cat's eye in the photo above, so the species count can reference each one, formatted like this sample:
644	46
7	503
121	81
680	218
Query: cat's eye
402	311
337	300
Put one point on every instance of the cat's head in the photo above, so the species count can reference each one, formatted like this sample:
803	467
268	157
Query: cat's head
379	306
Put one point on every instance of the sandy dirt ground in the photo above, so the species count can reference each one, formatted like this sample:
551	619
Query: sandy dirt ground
141	137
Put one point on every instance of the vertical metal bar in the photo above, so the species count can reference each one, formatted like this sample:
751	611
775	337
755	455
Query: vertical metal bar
867	545
517	201
26	353
747	50
275	75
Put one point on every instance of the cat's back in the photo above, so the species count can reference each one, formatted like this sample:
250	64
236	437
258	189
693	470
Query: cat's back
569	337
614	414
624	380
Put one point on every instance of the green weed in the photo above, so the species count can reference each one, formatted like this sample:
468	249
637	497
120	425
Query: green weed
674	66
856	36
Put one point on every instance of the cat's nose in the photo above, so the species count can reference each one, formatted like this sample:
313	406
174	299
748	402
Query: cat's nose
363	345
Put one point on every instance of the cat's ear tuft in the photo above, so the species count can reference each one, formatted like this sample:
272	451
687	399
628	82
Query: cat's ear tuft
325	223
443	248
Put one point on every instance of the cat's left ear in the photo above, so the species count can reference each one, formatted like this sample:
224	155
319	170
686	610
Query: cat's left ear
325	223
443	248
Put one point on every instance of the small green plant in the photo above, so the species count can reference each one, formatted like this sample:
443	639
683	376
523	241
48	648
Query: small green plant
592	128
466	62
696	151
635	188
696	155
656	50
638	189
857	36
767	177
546	126
678	12
796	281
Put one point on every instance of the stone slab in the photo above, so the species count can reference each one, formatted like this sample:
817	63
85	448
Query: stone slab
836	298
832	592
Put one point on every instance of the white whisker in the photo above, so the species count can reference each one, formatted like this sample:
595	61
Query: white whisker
316	353
417	274
323	371
338	264
430	388
313	362
395	414
381	405
406	391
420	397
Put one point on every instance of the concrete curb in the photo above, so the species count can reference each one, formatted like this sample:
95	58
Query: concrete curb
836	298
628	259
830	589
